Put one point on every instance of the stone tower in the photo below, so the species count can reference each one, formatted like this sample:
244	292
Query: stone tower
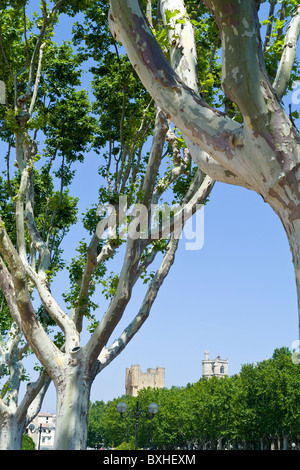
136	380
214	367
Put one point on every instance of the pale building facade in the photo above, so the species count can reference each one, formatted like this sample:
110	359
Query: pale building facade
214	367
44	422
135	379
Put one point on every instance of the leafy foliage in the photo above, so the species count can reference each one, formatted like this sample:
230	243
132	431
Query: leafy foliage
262	402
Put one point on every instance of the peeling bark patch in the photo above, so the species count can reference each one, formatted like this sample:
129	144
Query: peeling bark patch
221	144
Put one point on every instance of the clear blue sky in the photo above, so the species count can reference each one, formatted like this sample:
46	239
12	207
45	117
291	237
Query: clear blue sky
235	297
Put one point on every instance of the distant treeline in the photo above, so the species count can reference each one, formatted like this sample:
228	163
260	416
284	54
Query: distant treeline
259	408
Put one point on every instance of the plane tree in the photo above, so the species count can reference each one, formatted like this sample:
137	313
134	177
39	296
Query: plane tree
49	126
54	209
252	141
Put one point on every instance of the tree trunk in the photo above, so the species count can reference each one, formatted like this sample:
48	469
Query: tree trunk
285	202
262	154
72	413
12	429
73	394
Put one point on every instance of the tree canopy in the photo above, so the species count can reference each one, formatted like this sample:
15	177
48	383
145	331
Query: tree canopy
50	125
250	410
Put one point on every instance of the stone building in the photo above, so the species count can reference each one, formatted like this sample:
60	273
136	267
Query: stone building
214	367
135	380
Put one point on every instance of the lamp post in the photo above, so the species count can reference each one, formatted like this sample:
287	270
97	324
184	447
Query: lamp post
40	429
136	413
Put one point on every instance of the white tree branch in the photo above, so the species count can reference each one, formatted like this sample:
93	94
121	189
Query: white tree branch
34	234
7	287
37	79
33	398
196	196
198	121
288	56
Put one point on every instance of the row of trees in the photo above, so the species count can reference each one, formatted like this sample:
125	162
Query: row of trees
254	409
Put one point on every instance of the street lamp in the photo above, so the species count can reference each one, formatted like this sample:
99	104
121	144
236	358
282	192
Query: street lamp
40	429
136	413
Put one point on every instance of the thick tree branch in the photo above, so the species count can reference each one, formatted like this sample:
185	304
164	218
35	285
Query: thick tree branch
7	287
15	365
244	78
19	210
33	398
288	56
12	359
26	319
245	82
183	54
93	260
184	61
133	248
158	142
53	308
37	79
